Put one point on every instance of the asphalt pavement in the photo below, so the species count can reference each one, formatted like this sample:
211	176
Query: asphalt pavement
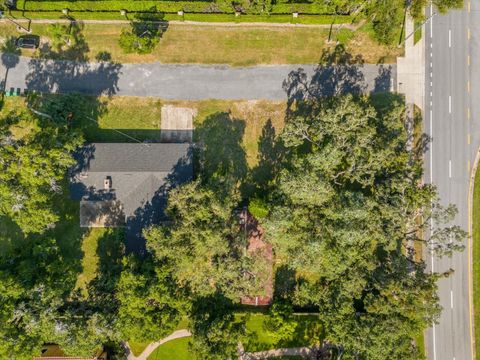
180	82
452	114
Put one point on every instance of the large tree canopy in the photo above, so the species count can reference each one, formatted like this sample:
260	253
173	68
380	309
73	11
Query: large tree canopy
347	201
32	169
204	242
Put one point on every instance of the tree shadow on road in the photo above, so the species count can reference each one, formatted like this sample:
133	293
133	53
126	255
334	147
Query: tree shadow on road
338	73
10	57
68	77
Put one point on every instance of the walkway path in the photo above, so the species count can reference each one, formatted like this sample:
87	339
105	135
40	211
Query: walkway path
199	23
300	351
191	82
152	346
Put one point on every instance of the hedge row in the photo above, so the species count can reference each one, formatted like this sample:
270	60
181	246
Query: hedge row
130	6
166	6
302	19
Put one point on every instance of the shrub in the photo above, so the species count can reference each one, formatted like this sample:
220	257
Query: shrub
258	208
144	34
280	323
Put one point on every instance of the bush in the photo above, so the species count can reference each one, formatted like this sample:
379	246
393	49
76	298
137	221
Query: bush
280	323
258	208
144	34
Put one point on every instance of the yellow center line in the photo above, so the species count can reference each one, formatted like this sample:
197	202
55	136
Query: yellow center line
468	139
468	60
468	113
468	165
469	6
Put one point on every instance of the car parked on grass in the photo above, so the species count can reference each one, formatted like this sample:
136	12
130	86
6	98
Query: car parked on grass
27	42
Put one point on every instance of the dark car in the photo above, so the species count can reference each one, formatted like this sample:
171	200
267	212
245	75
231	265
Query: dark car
28	42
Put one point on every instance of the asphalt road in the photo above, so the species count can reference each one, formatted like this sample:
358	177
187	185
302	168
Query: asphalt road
181	82
452	114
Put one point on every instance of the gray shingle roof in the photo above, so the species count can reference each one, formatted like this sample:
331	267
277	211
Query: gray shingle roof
140	174
133	157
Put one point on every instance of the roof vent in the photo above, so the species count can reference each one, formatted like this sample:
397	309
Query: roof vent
107	183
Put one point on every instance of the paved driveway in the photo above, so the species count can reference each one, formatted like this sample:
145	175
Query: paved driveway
191	82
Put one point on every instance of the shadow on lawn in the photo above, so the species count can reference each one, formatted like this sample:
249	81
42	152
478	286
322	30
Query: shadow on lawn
221	153
67	42
110	252
270	156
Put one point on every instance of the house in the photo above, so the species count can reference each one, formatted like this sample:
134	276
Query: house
126	184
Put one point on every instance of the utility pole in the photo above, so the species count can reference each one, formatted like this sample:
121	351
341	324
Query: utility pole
12	20
416	28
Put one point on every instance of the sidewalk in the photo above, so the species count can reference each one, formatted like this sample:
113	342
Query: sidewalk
187	22
152	346
411	68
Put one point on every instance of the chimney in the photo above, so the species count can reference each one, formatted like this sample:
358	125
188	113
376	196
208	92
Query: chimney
107	183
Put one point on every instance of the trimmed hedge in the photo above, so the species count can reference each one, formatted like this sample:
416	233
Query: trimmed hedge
302	19
129	6
168	6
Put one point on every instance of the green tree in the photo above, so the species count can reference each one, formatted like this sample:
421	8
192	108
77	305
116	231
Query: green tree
204	242
34	281
280	324
215	331
32	170
143	35
150	304
347	202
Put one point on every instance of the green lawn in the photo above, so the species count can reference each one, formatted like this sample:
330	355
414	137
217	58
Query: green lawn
308	332
476	259
420	343
418	33
175	349
137	348
237	46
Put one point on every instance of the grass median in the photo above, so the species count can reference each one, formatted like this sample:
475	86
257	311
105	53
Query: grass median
233	45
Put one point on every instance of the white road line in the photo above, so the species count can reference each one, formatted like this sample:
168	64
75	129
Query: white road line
449	38
434	337
449	104
431	156
451	300
449	168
